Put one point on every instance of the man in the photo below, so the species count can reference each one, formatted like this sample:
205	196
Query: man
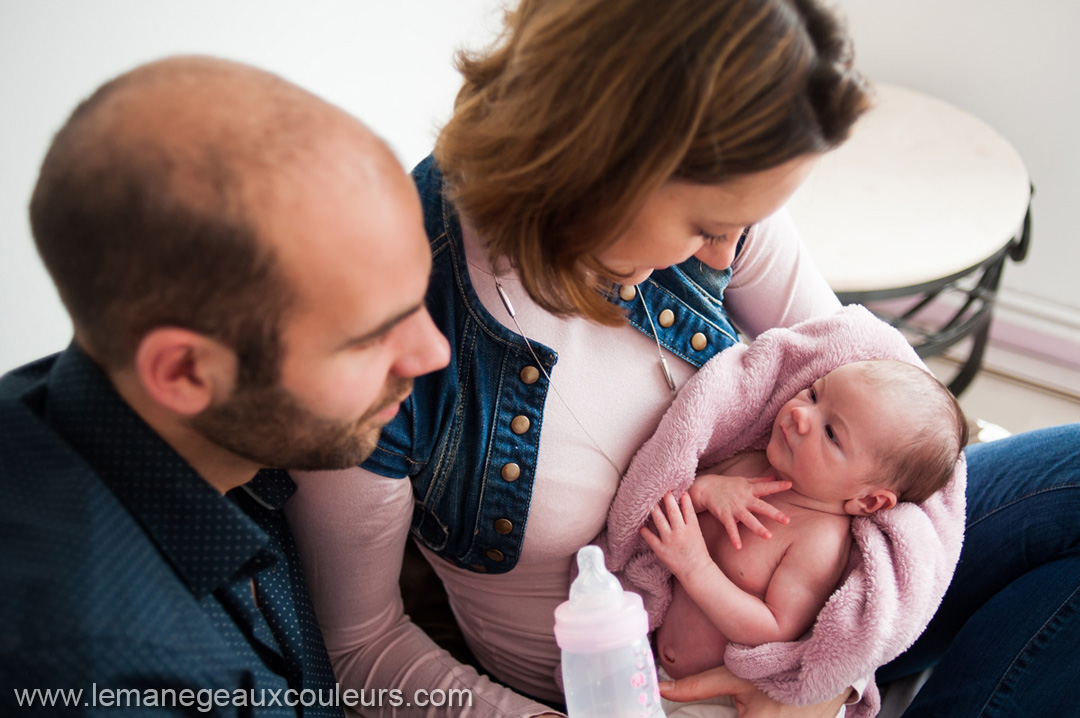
245	268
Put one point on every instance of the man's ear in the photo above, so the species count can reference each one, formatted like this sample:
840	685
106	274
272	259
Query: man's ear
870	503
184	371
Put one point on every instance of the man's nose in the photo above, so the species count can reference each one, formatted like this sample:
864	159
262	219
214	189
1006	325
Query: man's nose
423	348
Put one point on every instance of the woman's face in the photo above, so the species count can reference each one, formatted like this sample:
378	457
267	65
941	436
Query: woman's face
681	220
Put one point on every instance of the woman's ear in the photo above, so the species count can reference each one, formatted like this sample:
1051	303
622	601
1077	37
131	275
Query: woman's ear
870	503
184	371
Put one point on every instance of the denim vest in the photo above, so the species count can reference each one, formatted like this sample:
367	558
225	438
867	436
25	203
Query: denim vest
469	435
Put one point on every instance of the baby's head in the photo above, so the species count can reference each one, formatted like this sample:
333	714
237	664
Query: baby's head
869	434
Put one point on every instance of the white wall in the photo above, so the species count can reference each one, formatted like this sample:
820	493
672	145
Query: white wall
387	62
1012	63
1016	65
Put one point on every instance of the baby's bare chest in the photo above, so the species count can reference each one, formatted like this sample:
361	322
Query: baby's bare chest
751	567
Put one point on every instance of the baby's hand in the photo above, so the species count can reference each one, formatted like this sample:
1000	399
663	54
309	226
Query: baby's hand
678	541
735	499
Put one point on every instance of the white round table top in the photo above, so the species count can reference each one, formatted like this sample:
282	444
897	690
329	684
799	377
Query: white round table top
922	190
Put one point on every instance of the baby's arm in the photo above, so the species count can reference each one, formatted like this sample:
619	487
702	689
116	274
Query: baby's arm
735	499
799	587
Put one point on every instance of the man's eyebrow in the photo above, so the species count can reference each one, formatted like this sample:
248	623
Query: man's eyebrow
383	328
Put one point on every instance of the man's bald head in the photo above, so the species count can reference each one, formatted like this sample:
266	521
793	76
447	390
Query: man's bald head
152	199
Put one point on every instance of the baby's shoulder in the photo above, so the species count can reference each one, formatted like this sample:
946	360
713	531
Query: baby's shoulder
820	534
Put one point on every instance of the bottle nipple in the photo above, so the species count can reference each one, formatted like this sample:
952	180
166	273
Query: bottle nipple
600	615
595	587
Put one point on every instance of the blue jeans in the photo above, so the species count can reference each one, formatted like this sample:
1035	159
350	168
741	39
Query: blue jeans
1006	639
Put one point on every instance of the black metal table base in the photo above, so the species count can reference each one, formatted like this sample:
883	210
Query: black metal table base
936	315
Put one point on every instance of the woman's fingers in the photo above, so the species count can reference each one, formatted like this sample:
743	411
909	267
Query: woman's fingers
711	683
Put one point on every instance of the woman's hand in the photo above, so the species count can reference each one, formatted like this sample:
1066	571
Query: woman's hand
678	541
735	499
749	701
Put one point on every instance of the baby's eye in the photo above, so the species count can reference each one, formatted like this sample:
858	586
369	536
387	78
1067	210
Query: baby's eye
831	434
813	395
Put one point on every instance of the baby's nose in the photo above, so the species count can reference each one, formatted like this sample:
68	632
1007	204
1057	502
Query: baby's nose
801	416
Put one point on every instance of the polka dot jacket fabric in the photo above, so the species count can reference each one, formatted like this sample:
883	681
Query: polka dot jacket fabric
121	568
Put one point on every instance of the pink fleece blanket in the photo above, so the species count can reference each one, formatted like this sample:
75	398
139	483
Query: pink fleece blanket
905	557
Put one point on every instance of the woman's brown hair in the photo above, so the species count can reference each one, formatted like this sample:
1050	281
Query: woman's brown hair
585	107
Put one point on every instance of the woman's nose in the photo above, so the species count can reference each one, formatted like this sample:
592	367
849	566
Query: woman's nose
718	256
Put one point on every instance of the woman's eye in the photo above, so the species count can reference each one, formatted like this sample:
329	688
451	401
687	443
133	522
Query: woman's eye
712	238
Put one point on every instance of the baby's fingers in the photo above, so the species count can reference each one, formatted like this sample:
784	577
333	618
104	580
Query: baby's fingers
751	522
675	516
689	515
765	485
766	509
650	538
658	517
732	527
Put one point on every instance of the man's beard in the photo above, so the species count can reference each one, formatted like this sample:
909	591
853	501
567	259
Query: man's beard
268	426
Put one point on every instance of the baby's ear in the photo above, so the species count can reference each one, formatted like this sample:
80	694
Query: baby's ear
871	502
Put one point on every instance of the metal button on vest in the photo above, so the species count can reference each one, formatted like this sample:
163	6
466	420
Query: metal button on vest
478	568
627	292
530	374
503	526
495	554
699	341
510	471
667	318
519	424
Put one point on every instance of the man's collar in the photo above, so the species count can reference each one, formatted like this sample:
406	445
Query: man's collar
205	536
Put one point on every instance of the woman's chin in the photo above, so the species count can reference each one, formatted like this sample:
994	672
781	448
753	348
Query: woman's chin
638	276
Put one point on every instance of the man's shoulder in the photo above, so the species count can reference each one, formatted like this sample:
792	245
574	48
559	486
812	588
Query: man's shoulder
19	386
35	460
33	456
69	544
79	570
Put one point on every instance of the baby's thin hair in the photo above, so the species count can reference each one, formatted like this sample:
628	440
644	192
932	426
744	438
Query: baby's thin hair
921	464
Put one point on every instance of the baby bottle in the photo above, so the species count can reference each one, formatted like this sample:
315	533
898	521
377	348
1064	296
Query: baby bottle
607	665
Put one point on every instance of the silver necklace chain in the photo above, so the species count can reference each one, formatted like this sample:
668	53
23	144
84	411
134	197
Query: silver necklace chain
513	317
655	335
508	305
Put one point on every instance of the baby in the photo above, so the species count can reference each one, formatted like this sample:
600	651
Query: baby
859	439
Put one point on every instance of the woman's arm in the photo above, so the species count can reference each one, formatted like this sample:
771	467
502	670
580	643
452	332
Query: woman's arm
351	527
774	281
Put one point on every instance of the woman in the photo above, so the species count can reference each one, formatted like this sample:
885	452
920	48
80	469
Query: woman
608	161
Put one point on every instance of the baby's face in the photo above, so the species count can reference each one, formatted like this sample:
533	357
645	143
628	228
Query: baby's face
826	440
